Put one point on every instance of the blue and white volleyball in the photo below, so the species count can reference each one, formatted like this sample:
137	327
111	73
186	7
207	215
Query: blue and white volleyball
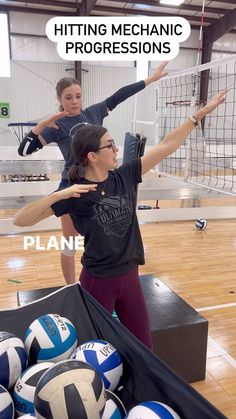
6	404
28	416
104	358
70	389
24	390
114	408
50	338
152	410
13	359
201	224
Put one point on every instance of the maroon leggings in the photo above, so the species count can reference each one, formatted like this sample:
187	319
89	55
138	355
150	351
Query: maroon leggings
123	294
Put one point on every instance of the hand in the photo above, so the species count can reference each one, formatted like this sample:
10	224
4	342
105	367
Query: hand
215	102
49	122
75	191
158	73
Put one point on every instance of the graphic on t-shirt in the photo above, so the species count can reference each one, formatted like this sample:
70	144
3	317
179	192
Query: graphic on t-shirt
114	214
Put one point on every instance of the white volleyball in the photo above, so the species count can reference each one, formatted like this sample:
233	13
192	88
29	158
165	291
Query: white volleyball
152	410
104	358
114	408
50	338
24	390
201	224
70	389
7	410
13	359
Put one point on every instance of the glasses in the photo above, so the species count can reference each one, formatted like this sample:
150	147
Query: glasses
111	145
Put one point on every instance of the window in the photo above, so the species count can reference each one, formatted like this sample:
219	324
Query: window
5	46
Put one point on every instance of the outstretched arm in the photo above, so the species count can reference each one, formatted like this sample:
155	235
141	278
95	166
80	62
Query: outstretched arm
127	91
38	210
33	141
157	74
176	138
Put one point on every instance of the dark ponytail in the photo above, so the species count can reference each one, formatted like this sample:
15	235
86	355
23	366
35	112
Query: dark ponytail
86	139
77	171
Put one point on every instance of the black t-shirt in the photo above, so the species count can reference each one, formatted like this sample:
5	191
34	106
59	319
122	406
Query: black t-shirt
112	239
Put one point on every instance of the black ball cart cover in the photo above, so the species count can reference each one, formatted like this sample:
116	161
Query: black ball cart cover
145	376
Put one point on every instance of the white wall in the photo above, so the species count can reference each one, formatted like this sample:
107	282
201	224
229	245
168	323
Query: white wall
99	83
30	92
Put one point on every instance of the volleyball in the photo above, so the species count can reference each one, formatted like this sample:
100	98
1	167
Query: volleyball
201	224
114	407
70	389
104	358
23	394
29	415
6	404
50	338
13	359
152	410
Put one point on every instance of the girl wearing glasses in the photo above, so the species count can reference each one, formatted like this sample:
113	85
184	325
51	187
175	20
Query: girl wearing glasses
61	127
101	204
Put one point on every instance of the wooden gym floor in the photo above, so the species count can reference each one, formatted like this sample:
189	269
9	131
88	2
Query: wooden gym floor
199	266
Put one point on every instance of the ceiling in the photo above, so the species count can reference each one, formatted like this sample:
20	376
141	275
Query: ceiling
190	9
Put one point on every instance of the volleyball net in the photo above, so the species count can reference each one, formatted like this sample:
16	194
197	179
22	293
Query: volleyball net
208	156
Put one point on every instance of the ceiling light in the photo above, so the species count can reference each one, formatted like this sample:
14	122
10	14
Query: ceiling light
172	2
143	6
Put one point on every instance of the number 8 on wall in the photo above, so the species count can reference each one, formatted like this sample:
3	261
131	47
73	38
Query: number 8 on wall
4	110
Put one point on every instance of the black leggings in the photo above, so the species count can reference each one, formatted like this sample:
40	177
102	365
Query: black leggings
123	294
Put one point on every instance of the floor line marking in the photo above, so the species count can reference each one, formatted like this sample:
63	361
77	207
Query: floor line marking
216	307
225	354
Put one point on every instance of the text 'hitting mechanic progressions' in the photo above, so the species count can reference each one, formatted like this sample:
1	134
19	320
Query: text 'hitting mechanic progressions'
106	38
